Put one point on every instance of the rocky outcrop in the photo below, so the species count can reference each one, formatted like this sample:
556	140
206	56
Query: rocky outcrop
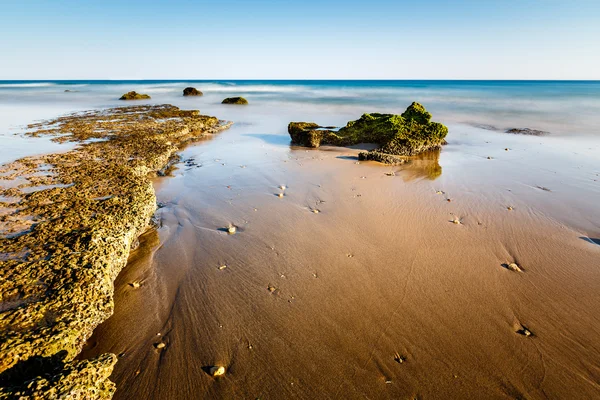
134	96
235	100
86	379
397	135
526	131
190	91
67	234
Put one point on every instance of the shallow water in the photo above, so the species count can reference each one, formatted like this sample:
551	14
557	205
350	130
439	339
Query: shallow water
570	109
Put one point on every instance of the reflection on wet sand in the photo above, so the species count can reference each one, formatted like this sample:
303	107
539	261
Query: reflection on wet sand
425	165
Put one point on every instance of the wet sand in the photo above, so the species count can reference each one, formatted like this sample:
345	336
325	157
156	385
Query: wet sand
397	287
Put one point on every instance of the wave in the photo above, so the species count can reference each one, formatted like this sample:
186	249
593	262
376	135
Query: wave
30	84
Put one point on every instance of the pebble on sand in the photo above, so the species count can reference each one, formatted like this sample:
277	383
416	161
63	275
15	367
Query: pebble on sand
280	195
222	267
159	345
315	211
135	284
509	208
231	230
514	267
282	187
217	371
271	288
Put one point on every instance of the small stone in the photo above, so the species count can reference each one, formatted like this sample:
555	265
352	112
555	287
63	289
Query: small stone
280	195
315	211
456	221
282	187
514	267
135	284
160	345
271	288
448	200
217	371
231	230
390	174
489	158
509	208
222	267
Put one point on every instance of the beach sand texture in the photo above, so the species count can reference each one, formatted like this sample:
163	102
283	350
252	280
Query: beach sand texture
277	271
400	286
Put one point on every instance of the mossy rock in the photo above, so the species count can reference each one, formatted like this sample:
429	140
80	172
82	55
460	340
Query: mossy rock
235	100
397	135
134	96
190	91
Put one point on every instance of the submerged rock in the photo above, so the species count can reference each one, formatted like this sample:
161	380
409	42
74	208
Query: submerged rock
190	91
134	96
526	131
397	135
235	100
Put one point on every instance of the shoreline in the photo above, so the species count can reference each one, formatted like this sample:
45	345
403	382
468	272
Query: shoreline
90	206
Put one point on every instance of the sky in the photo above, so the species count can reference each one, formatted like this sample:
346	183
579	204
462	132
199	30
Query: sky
304	39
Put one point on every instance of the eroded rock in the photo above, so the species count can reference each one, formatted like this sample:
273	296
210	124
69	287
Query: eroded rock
397	135
190	91
235	100
134	96
97	200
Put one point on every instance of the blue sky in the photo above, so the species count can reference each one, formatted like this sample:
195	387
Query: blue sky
308	39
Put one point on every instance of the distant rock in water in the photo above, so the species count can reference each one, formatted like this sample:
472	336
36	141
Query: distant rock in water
190	91
526	131
134	96
235	100
397	135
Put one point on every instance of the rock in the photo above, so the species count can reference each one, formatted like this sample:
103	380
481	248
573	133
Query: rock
514	267
217	371
526	131
235	100
80	379
160	345
231	230
134	96
190	91
280	195
397	135
282	187
78	266
135	284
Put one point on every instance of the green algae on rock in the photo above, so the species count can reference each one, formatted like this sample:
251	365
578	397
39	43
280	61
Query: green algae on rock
190	91
69	232
134	96
235	100
397	135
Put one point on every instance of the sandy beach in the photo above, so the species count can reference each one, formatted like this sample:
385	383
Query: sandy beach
397	287
470	272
